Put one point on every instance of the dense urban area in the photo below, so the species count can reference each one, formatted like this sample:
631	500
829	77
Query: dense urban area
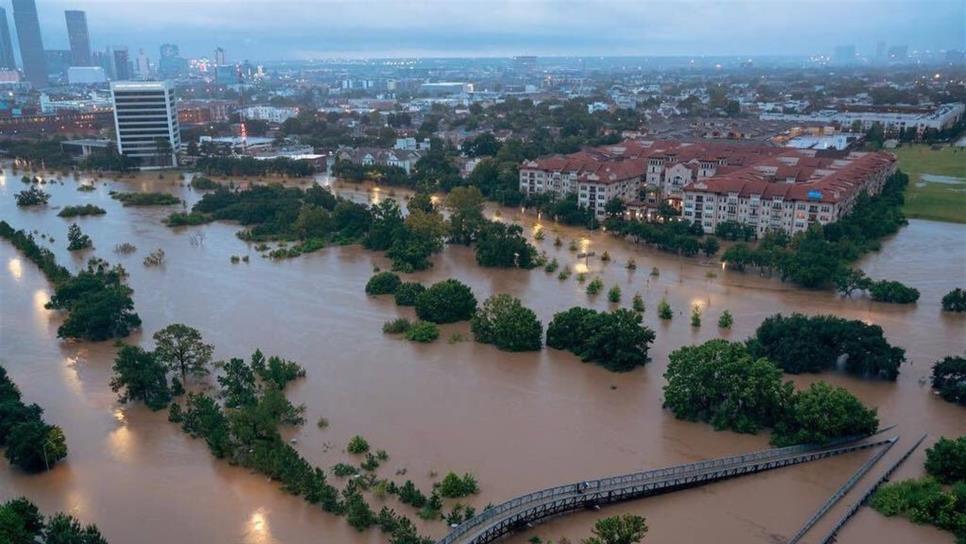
244	299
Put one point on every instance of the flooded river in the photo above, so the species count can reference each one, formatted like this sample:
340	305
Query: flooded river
519	422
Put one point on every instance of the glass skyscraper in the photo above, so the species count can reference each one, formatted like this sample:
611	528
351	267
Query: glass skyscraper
80	40
6	45
31	44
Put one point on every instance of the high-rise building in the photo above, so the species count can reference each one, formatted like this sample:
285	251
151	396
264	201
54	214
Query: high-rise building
31	44
143	65
80	39
104	59
898	53
57	61
219	56
170	63
122	64
146	122
6	45
844	54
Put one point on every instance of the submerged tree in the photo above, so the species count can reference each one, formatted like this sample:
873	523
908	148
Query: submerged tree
181	349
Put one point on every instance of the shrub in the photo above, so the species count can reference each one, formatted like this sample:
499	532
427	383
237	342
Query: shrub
397	326
664	310
407	293
454	486
31	197
955	301
422	331
594	286
893	291
155	258
614	295
447	301
77	240
946	460
383	283
86	209
637	303
357	445
552	266
504	322
725	320
696	316
145	199
949	379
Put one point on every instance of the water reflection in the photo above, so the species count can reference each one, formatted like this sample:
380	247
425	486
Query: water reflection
120	441
257	530
71	378
15	266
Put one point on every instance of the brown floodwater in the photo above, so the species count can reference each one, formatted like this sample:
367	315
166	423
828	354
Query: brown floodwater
518	421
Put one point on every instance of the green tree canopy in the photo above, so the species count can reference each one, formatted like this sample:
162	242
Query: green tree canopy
446	301
623	529
181	349
721	383
503	321
139	375
823	413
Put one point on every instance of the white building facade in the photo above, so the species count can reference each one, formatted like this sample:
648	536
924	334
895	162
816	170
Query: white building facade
146	122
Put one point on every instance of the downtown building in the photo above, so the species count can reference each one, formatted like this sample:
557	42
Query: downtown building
146	122
770	188
79	37
31	43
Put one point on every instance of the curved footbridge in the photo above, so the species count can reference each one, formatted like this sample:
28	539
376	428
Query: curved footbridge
502	519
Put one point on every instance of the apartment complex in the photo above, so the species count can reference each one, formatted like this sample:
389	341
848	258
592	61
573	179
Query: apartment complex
709	183
146	122
271	114
891	118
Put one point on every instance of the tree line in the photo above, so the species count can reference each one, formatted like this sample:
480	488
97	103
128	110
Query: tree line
29	443
725	384
97	300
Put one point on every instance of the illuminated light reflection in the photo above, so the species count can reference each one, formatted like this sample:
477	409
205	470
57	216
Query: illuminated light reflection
41	298
120	443
258	531
70	374
15	266
581	268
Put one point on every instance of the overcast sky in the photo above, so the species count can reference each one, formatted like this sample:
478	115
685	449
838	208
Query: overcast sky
305	29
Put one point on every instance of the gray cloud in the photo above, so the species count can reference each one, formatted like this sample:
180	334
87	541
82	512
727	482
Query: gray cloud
264	30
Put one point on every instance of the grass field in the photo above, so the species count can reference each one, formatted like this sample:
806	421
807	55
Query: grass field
938	201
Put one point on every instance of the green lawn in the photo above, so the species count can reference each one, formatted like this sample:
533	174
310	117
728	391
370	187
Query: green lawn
934	200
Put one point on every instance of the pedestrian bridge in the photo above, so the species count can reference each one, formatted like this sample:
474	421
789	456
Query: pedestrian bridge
502	519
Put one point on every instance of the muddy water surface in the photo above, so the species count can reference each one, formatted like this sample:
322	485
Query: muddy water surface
518	421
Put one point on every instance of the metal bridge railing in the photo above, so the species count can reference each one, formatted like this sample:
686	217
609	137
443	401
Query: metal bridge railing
543	495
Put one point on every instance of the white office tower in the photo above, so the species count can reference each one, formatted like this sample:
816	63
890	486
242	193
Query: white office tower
146	121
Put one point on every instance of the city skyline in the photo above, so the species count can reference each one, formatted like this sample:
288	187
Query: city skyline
304	30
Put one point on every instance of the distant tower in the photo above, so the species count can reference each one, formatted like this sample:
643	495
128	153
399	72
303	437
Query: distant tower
31	44
80	40
6	46
143	65
122	64
219	56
